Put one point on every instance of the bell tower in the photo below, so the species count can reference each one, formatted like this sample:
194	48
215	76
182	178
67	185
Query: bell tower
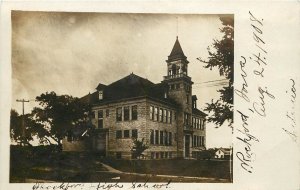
180	84
180	90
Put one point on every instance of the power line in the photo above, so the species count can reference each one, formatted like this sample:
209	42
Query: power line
210	81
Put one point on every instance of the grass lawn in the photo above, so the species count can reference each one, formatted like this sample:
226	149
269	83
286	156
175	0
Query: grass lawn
75	167
193	168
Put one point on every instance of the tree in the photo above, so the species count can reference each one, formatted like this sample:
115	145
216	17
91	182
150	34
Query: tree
138	148
221	56
16	125
57	115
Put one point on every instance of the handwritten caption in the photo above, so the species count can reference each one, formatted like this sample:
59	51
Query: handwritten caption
101	186
290	129
257	106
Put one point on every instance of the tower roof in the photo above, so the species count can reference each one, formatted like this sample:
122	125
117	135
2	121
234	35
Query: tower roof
176	52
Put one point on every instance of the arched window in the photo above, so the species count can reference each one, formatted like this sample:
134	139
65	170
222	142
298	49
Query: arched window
173	69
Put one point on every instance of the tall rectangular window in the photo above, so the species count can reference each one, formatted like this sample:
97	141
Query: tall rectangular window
160	114
100	119
185	118
118	134
165	116
156	114
100	95
107	112
151	137
126	133
170	138
193	122
119	114
198	123
166	138
151	112
161	137
194	141
126	113
156	137
134	133
169	116
134	113
199	141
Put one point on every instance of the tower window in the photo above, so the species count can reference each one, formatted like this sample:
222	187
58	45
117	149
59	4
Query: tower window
173	69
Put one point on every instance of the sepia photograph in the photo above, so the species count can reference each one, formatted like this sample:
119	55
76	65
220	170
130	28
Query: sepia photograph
121	97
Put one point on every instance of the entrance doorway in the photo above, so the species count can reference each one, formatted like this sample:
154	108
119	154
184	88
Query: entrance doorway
100	143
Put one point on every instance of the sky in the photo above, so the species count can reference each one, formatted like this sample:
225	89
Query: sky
70	53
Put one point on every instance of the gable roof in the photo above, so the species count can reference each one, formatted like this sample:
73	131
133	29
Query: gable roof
131	86
226	151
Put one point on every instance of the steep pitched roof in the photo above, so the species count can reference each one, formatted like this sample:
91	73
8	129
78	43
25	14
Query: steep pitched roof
176	52
131	86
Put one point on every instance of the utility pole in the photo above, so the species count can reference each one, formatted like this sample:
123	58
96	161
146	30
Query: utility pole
23	122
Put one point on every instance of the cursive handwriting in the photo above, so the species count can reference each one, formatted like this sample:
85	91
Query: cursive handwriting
290	129
101	186
247	156
62	186
243	92
145	185
259	107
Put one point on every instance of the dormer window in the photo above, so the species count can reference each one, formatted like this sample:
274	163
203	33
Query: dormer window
100	95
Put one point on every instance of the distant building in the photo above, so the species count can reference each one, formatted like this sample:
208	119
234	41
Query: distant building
165	115
223	153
